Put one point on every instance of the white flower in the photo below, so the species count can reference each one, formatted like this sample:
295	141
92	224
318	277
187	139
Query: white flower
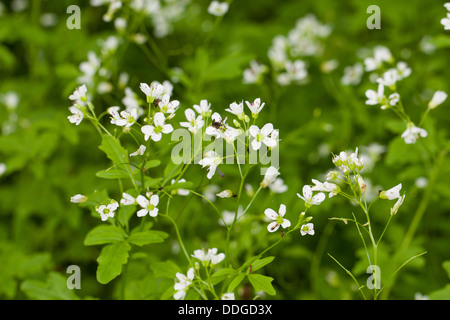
78	198
397	205
227	296
155	131
381	54
148	205
438	98
225	194
193	123
352	74
278	186
3	170
403	70
389	78
203	108
255	107
237	109
208	257
127	199
446	22
376	97
326	186
212	160
309	198
296	70
412	133
254	73
182	283
168	106
139	152
307	229
77	115
217	8
269	177
218	126
262	136
107	211
394	98
277	218
79	95
391	194
153	92
126	119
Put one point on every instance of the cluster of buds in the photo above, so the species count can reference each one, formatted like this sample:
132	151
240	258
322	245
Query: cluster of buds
348	163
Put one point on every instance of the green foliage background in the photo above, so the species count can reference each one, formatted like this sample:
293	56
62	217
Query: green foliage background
49	160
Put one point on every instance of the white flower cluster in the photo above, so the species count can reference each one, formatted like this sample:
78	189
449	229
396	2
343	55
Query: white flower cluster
446	21
162	13
287	52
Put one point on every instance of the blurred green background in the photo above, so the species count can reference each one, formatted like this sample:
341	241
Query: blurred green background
48	159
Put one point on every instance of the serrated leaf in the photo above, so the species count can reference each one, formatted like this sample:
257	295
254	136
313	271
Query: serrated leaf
259	263
262	282
104	234
142	238
110	261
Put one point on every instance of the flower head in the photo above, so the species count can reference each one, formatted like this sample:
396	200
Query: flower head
309	198
193	123
237	109
397	205
182	284
153	92
217	8
211	160
391	194
78	198
155	131
277	218
77	115
412	133
107	211
326	186
271	174
127	199
148	205
307	229
209	257
255	107
262	135
79	96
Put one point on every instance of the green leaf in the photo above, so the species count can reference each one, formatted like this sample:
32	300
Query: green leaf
236	281
166	269
442	294
258	264
446	266
104	234
55	288
152	164
229	67
262	282
112	174
142	238
113	150
111	260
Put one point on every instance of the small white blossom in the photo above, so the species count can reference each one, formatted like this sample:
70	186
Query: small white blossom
167	106
307	229
352	74
389	78
227	296
225	194
203	108
127	199
153	92
217	8
277	218
182	284
278	186
438	98
208	257
78	198
139	152
181	192
254	73
269	177
148	205
107	211
193	123
211	160
255	107
376	97
446	22
79	96
155	131
237	109
262	136
326	186
309	198
412	133
77	115
391	194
